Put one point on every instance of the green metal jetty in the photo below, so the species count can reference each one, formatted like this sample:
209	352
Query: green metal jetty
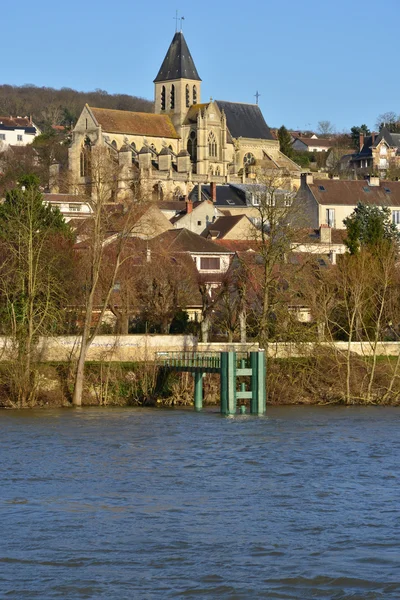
230	366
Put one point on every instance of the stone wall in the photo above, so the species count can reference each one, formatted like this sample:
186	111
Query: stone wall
148	347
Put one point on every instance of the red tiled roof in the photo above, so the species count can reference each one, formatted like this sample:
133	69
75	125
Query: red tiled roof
350	193
15	121
134	123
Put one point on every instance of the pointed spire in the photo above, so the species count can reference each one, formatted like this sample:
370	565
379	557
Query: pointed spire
178	62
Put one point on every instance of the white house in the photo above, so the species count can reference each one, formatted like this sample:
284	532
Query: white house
17	131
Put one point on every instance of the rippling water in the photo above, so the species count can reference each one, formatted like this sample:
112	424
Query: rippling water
138	503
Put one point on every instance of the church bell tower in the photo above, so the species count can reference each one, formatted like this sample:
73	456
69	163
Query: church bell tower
177	85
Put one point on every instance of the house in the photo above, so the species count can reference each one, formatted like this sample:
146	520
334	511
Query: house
195	216
325	241
210	259
312	144
17	131
232	227
330	201
378	153
71	206
236	198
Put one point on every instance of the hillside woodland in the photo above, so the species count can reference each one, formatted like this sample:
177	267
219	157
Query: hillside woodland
49	106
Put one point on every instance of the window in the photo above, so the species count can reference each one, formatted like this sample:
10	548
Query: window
85	161
212	145
192	146
249	159
366	189
163	97
187	97
388	190
2	136
321	188
255	199
383	151
114	144
382	163
396	217
330	217
117	286
194	94
210	263
172	97
19	138
75	207
199	223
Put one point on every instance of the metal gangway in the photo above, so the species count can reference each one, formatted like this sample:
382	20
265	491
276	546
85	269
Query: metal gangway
230	366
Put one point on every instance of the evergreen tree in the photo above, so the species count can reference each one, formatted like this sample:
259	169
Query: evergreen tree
370	226
285	141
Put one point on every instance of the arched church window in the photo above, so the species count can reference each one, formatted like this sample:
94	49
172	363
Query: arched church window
218	171
187	96
163	97
114	144
133	145
194	94
85	161
152	146
172	97
249	159
192	146
212	145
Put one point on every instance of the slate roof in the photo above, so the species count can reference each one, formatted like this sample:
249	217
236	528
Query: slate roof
184	240
392	139
245	120
350	193
178	62
134	123
227	195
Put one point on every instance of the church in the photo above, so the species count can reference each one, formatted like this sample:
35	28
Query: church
184	143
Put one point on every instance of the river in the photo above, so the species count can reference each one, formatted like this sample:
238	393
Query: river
146	504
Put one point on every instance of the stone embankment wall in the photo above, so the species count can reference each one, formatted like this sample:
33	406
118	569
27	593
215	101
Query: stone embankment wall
148	347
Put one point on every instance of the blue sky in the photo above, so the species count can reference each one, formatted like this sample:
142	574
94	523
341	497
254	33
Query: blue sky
310	60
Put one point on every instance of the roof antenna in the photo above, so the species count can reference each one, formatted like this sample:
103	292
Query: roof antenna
257	95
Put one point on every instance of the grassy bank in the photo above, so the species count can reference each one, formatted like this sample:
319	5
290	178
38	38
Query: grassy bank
323	378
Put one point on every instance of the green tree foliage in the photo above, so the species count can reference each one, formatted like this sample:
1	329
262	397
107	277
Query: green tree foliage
285	141
35	250
370	226
355	134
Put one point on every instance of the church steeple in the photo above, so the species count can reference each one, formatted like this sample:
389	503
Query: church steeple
177	85
178	62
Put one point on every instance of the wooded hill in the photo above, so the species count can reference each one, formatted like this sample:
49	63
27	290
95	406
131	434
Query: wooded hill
49	106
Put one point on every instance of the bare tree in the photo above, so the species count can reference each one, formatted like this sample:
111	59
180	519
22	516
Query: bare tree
104	175
325	128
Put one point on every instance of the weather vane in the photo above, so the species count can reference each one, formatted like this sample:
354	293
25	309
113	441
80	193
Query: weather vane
176	19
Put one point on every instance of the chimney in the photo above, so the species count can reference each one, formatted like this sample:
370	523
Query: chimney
361	141
373	181
213	191
307	178
325	234
373	135
199	192
189	206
